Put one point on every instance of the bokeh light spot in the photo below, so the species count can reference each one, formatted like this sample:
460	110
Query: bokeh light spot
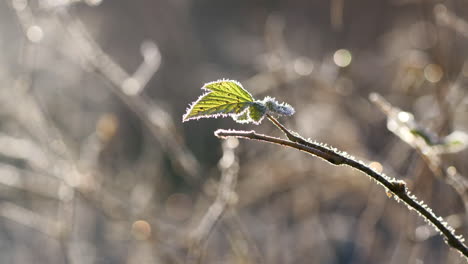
303	66
141	230
342	58
106	127
131	86
404	117
35	34
452	171
422	233
376	166
433	73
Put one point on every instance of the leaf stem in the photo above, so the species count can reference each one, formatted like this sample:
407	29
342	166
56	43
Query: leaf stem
328	154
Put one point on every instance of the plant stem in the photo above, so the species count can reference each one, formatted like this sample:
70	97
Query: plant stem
334	156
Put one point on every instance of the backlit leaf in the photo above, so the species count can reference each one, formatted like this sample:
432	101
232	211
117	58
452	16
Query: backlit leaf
224	98
252	114
228	98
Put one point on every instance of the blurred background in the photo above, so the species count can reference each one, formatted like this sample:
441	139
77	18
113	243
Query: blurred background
96	165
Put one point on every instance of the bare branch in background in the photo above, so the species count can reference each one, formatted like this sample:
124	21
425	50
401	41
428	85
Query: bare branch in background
94	167
229	167
129	88
428	145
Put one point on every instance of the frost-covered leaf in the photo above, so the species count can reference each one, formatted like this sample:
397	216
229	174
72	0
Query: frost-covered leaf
274	107
253	114
256	112
224	97
228	98
242	117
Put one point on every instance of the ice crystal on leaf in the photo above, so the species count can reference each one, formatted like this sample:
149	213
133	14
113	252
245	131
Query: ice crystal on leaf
229	98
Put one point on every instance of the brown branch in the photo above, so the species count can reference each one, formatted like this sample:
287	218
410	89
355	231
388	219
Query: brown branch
397	187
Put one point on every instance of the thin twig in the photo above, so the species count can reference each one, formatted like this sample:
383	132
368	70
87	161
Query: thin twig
226	196
397	187
326	153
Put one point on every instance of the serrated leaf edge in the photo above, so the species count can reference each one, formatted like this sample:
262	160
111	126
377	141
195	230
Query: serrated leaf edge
204	87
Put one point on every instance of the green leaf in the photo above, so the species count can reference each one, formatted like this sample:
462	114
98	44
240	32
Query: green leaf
256	112
228	98
252	114
242	118
225	97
